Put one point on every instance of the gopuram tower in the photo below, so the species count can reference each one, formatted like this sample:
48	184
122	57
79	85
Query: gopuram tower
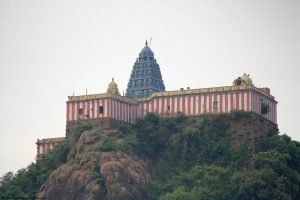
145	76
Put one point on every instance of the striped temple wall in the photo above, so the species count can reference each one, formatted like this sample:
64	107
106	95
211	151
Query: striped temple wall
216	102
189	102
44	145
98	108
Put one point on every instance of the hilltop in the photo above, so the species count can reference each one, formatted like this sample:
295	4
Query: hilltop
218	156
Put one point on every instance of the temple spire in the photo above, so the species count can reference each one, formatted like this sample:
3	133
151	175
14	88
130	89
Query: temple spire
145	76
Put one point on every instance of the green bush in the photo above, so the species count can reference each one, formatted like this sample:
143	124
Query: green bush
108	144
131	139
147	131
26	182
80	127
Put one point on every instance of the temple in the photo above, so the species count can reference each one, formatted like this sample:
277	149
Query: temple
44	145
146	93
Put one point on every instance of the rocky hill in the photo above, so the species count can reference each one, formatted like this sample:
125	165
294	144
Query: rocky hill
228	156
98	168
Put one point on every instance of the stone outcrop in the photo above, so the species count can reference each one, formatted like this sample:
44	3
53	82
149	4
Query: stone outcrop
93	171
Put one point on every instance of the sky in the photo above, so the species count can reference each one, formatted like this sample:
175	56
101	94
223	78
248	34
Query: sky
52	48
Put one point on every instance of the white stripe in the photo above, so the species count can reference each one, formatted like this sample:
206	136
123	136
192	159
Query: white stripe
186	107
85	109
245	101
165	104
160	105
219	102
202	108
223	103
192	105
197	104
171	105
207	103
105	108
90	109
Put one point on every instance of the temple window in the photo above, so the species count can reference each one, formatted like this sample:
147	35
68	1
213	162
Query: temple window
215	106
100	109
80	111
169	108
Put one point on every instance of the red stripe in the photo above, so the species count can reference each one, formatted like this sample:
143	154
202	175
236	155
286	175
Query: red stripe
194	105
210	102
133	114
231	101
168	104
73	111
127	115
204	103
121	111
163	105
248	101
132	117
237	97
118	110
184	109
148	106
93	109
109	107
83	110
243	108
221	103
215	99
226	102
102	104
152	105
173	104
125	111
177	103
88	108
68	111
38	151
189	105
115	109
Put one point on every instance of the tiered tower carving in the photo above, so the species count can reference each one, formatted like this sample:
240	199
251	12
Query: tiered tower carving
145	77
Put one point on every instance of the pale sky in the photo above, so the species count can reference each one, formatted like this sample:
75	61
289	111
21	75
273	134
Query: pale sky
52	48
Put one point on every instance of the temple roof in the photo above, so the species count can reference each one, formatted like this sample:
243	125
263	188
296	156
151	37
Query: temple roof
146	52
50	140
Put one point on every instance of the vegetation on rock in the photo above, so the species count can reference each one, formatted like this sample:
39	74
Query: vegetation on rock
27	182
188	159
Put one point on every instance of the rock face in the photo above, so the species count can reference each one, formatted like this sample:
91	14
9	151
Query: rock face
97	170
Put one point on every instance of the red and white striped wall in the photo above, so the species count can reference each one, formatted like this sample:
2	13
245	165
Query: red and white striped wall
98	108
217	102
44	145
195	103
257	99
